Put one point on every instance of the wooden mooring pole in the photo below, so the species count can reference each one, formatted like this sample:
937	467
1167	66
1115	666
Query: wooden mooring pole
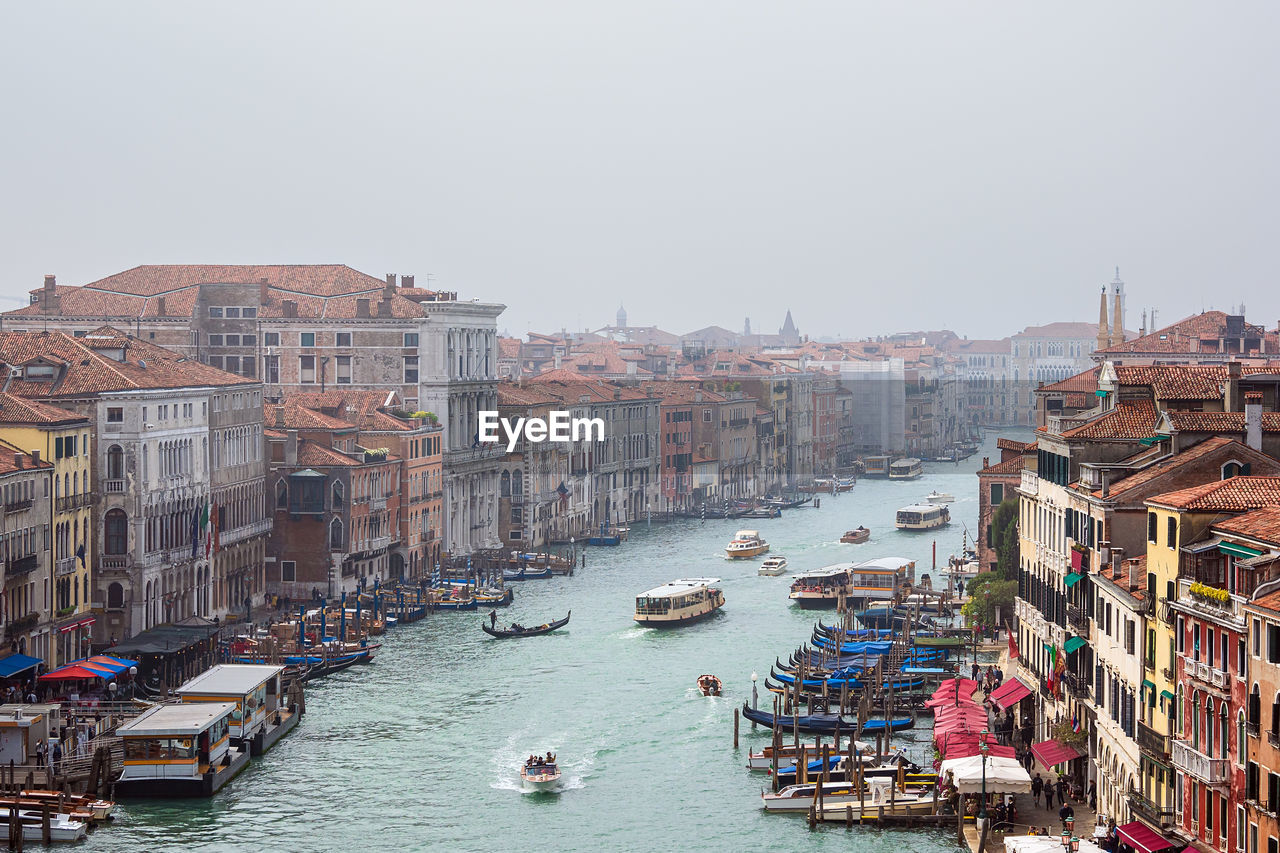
736	715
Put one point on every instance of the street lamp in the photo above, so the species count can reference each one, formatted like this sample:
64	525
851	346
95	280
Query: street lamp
754	695
984	749
1070	844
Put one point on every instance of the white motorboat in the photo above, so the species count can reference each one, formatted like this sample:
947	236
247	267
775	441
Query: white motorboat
540	774
61	827
763	760
937	497
916	799
774	566
746	544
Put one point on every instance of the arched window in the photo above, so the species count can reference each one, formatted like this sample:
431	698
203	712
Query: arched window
1208	728
115	596
1242	756
1255	707
1224	728
335	535
282	494
517	484
115	462
337	493
116	528
506	484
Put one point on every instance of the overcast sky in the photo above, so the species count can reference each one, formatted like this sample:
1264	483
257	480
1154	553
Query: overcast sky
873	166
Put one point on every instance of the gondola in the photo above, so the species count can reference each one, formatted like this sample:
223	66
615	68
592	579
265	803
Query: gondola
514	631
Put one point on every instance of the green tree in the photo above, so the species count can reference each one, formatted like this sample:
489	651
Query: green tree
987	592
1004	538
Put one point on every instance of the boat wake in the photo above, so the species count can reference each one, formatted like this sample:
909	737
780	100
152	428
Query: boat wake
506	761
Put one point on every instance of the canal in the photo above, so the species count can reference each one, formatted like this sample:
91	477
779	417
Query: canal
421	750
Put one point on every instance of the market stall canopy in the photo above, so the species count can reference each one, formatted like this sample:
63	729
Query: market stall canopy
1010	693
1002	775
15	663
168	639
1143	838
1044	844
961	744
72	671
1051	753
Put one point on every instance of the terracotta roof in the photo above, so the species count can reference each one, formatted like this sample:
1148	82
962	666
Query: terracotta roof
345	409
85	365
508	347
596	390
1084	383
1232	495
19	410
1012	465
1191	456
1012	444
1184	335
312	455
1121	578
314	279
1270	601
1262	524
685	392
510	394
9	456
1130	419
1232	422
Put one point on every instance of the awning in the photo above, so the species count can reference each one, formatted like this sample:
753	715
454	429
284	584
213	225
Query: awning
1165	694
79	623
974	773
1201	547
1051	753
1009	694
74	671
1238	550
1072	579
1143	838
14	664
1074	643
1146	682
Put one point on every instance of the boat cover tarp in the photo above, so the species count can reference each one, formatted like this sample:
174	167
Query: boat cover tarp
16	663
1003	775
1010	693
1052	753
1142	838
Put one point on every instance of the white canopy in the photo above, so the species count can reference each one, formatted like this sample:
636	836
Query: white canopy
1044	844
1004	775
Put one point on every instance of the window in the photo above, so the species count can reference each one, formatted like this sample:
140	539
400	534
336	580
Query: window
282	495
232	364
706	416
411	339
997	494
271	339
116	529
247	365
232	340
335	535
1171	533
115	415
115	462
1273	643
337	494
306	493
115	596
1151	527
1257	638
215	311
215	340
343	339
249	312
288	571
215	361
344	370
307	339
411	370
307	368
271	369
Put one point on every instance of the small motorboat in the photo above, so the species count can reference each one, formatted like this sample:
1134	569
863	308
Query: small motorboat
540	773
518	630
709	685
856	536
773	566
937	497
746	544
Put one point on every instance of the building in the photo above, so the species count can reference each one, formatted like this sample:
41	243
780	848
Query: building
1210	337
306	327
996	483
25	491
62	439
1046	354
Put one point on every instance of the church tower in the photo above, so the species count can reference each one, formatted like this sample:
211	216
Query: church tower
1104	339
1117	310
622	317
789	333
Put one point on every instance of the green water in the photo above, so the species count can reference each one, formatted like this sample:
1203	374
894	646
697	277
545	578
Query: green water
421	750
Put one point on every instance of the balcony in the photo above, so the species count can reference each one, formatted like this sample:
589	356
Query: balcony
1148	811
1078	685
1167	613
1251	728
1205	672
115	564
65	566
1030	482
246	531
1167	673
1212	771
1228	611
1078	620
21	566
1152	742
377	504
113	487
17	506
1273	738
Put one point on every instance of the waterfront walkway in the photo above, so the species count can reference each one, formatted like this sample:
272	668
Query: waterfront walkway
1029	814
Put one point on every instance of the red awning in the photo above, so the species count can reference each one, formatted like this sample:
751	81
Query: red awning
74	671
964	744
1051	753
1141	837
1009	694
79	623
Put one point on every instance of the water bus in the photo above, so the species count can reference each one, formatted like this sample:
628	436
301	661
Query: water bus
679	603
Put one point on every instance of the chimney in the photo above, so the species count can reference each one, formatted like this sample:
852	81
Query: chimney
1117	560
390	290
1253	419
291	308
291	448
264	292
986	462
384	307
1231	393
49	299
35	456
160	312
1136	578
362	308
406	281
18	461
557	361
279	416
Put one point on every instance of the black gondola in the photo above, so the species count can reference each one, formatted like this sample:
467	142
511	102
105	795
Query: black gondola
520	631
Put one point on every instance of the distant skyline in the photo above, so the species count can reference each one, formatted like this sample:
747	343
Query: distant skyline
874	167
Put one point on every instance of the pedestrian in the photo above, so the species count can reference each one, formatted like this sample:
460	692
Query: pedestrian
1093	795
1048	797
974	671
1037	785
57	757
1062	789
40	753
1066	812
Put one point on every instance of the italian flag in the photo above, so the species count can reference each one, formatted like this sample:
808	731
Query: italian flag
1052	680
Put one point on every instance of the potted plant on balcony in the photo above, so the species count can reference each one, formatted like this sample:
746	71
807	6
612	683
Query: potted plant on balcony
1210	594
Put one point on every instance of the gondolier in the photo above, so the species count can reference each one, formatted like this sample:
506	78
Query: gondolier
493	618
